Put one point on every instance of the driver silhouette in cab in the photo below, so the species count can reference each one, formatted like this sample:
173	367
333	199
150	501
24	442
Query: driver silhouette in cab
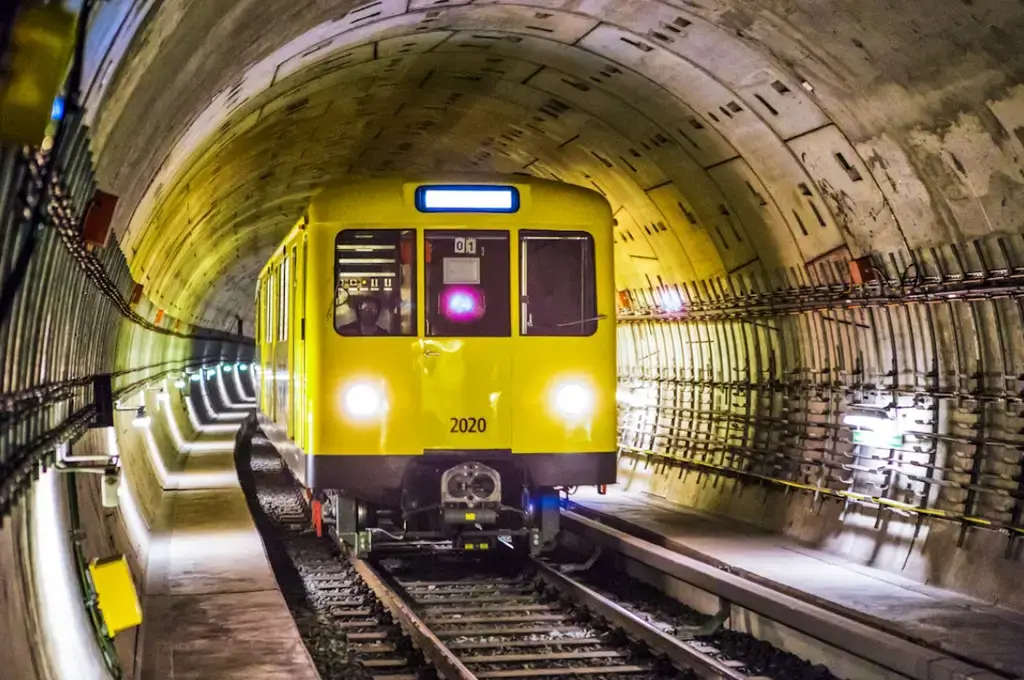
367	313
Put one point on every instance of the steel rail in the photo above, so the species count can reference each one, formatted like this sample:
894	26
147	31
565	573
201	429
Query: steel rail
800	300
882	648
426	641
635	627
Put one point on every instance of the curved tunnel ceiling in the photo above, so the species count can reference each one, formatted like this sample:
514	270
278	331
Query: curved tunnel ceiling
730	136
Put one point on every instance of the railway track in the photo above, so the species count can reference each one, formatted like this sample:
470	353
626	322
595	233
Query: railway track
420	616
479	619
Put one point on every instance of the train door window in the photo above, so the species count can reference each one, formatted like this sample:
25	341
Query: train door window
467	284
293	297
375	282
282	297
268	298
558	284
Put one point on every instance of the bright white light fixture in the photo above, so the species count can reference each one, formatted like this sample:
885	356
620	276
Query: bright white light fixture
573	399
362	400
878	424
876	431
671	300
195	377
243	368
468	199
179	383
227	368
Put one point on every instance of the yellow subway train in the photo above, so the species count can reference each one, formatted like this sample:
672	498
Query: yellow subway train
437	357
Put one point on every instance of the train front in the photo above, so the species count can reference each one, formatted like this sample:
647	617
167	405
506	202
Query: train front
472	362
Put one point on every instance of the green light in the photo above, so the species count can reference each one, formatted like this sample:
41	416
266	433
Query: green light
877	439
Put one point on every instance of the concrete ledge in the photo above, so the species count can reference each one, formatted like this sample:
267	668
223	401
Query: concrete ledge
894	653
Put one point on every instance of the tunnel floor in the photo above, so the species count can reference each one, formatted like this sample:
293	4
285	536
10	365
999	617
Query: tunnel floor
212	606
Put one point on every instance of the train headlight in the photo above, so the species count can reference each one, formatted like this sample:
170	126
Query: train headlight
573	399
363	400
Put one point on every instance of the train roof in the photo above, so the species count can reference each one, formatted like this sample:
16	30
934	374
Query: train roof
357	199
379	200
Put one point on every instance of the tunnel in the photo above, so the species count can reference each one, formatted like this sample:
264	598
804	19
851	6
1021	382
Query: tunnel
817	210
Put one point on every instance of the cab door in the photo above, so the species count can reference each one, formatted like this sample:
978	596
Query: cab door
466	361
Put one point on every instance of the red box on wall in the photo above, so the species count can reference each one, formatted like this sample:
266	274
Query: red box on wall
862	270
99	218
136	294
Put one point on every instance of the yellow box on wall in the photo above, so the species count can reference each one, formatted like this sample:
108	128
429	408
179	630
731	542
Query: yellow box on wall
118	600
42	42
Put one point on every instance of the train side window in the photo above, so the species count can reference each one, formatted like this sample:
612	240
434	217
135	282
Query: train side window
467	284
282	296
268	298
558	284
375	282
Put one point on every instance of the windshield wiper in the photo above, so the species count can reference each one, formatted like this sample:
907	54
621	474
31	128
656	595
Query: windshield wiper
599	317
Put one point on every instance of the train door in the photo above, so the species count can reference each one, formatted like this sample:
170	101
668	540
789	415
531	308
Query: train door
281	347
299	345
466	362
372	355
293	344
269	379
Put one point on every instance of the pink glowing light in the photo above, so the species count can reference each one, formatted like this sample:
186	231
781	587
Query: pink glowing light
462	304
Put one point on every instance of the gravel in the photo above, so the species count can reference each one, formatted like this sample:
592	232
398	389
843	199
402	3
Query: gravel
326	597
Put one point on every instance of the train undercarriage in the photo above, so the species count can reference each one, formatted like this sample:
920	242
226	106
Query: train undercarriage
467	506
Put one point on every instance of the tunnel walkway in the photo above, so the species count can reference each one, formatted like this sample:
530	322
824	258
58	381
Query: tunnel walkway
971	629
212	605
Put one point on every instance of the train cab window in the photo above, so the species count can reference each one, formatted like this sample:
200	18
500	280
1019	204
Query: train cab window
559	289
467	284
375	282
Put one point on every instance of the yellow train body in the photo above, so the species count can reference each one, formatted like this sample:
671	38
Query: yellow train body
351	412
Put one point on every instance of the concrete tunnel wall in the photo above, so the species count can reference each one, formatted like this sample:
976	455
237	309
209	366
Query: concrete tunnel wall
42	617
732	137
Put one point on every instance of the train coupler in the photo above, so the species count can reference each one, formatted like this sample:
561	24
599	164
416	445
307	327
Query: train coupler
469	516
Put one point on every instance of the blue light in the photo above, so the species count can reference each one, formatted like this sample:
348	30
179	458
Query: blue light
243	368
227	369
195	377
57	112
472	198
461	303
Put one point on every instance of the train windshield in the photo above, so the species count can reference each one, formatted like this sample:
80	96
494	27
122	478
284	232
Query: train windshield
559	290
375	282
467	284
